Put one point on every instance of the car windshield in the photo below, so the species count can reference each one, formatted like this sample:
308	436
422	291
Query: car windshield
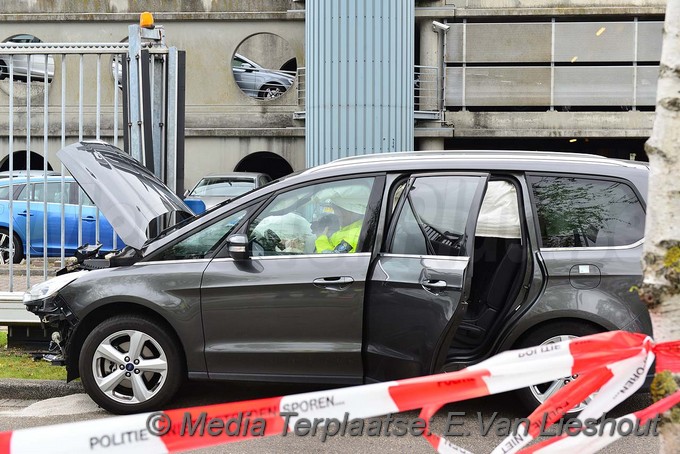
223	187
195	217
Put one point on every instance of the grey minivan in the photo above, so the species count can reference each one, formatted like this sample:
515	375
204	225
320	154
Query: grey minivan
366	269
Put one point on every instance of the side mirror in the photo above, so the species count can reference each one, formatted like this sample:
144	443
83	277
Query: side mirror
186	193
247	67
238	246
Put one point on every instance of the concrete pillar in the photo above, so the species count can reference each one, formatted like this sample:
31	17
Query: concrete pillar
429	143
429	55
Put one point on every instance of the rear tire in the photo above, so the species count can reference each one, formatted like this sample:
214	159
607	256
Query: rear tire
271	91
533	396
130	364
5	252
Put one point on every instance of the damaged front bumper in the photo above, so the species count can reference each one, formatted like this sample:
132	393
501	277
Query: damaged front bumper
44	300
54	314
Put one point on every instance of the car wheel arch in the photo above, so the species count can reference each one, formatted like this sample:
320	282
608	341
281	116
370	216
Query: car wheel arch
515	339
101	313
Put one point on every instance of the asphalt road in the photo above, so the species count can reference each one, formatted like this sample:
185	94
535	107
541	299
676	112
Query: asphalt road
80	407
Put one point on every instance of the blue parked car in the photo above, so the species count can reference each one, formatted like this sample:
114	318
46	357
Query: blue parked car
37	193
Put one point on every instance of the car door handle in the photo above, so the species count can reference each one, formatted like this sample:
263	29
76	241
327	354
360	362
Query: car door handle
431	284
23	213
336	283
89	219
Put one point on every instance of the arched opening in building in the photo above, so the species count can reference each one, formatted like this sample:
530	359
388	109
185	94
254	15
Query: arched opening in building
19	157
265	162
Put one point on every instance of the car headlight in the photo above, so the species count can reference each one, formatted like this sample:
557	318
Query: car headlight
50	287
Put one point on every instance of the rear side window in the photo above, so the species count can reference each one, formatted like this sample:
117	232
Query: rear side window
4	192
434	215
582	212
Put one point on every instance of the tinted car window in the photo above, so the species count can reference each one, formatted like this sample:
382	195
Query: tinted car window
4	192
434	216
580	212
321	218
199	244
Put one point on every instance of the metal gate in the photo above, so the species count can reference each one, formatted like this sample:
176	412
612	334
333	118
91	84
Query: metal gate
129	94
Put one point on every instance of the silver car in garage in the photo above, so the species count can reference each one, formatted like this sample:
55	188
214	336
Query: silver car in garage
259	82
38	67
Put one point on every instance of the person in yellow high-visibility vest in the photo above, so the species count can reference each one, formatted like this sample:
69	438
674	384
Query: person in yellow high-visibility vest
349	208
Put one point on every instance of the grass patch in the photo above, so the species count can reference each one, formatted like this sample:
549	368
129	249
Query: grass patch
16	363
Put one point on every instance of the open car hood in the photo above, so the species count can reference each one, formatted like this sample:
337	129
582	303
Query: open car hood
128	194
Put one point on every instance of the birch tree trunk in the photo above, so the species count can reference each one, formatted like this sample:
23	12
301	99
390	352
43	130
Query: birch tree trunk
661	285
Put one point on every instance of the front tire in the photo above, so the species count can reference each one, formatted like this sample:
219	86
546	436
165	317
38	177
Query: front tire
553	332
128	364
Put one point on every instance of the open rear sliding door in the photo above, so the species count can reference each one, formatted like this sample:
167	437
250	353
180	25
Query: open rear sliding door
420	283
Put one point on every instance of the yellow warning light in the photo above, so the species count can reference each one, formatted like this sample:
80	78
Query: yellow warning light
146	20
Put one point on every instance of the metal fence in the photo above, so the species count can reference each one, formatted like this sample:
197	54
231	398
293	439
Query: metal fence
568	65
54	94
428	93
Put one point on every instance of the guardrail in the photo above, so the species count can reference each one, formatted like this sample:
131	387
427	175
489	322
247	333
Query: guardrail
23	328
13	312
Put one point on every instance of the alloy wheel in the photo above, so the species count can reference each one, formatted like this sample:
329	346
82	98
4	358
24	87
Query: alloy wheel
544	390
129	366
6	248
272	92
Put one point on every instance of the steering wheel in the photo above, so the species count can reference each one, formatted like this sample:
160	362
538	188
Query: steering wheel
273	240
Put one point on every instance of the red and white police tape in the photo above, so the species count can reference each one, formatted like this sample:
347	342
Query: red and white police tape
615	363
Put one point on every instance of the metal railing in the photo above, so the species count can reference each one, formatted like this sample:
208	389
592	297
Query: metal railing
38	124
428	93
556	64
54	94
302	87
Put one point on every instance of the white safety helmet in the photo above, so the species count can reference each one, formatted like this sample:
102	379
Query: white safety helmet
352	198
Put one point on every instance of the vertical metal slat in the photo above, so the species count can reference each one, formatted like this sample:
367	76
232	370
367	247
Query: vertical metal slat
45	152
98	135
10	239
80	138
63	169
29	189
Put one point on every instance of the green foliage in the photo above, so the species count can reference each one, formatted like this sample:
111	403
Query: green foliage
672	259
664	385
16	363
